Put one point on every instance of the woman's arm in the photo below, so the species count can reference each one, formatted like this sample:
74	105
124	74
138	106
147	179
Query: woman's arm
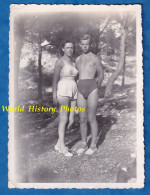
56	77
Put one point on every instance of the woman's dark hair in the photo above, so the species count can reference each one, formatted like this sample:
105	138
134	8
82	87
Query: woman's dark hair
62	45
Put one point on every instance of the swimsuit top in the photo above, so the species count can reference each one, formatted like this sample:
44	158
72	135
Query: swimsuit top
68	70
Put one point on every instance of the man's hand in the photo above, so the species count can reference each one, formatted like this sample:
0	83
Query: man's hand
99	82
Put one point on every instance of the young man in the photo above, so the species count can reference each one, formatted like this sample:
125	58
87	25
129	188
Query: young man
89	67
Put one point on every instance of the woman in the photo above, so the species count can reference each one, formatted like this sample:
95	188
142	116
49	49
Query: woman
65	92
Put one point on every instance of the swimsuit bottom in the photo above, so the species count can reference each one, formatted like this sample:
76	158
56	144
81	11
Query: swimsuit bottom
67	88
86	86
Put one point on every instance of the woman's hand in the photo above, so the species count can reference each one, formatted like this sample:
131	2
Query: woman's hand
54	99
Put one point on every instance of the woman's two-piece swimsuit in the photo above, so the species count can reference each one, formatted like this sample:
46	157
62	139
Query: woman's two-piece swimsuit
68	87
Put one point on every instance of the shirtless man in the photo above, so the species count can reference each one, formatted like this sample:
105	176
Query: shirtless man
89	67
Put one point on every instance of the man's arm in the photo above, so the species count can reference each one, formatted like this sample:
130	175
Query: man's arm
76	62
100	72
56	78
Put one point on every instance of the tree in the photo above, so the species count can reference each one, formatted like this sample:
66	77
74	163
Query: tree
55	29
38	28
58	27
126	27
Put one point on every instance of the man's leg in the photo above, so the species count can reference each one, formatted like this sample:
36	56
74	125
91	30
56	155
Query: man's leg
81	102
92	107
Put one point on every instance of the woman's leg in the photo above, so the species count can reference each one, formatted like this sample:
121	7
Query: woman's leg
63	119
72	113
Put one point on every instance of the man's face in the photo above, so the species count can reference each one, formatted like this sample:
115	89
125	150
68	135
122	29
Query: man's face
85	45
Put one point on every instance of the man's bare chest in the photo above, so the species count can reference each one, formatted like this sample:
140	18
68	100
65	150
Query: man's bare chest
86	64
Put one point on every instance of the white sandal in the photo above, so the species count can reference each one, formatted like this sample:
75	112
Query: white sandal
82	148
58	149
66	153
90	151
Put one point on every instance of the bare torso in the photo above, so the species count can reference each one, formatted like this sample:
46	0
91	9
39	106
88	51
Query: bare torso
86	65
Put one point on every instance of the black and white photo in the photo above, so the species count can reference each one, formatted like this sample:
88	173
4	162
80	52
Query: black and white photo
75	97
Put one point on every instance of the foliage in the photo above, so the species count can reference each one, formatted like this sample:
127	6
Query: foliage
54	28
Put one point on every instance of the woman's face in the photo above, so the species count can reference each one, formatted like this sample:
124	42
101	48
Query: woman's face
68	49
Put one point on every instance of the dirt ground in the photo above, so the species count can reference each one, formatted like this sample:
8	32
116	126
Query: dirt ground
36	135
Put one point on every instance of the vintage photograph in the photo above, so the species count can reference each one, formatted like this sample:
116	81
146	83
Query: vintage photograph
75	97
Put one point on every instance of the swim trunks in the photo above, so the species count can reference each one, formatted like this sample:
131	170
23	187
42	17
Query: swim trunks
86	86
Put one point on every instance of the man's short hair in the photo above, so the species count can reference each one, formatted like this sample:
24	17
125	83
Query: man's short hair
85	37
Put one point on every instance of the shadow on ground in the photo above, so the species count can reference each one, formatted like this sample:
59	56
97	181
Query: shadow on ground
104	125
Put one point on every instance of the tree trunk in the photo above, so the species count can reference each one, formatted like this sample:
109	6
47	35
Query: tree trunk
120	65
40	73
123	76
